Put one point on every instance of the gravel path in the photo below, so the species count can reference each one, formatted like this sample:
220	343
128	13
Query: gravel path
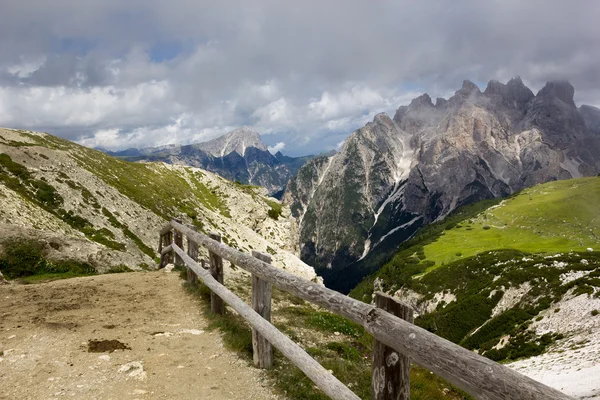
45	331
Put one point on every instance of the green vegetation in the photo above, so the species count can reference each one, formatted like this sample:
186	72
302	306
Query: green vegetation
347	353
479	282
275	210
119	269
559	216
157	188
537	237
18	178
115	222
24	258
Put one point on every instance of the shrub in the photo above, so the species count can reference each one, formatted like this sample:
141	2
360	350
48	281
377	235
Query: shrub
595	312
21	257
25	257
273	214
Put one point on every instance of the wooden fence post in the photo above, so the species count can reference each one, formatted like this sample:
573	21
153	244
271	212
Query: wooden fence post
391	370
178	239
262	351
216	270
166	258
192	250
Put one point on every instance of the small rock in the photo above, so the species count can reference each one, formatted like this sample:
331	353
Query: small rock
336	333
193	331
590	249
104	357
134	369
169	267
12	336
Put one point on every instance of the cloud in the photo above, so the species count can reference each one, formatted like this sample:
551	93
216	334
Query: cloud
307	74
278	147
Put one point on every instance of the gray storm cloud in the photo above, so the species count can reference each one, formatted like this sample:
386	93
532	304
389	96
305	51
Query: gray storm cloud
120	74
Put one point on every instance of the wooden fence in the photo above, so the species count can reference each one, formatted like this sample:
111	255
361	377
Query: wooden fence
397	341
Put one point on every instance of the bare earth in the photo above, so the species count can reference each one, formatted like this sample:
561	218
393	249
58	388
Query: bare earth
45	330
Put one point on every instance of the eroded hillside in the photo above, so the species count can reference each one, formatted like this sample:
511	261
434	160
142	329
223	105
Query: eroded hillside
85	205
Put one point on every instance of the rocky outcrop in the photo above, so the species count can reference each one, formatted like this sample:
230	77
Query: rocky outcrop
393	176
239	155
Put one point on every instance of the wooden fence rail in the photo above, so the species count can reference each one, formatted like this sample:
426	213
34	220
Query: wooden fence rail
482	378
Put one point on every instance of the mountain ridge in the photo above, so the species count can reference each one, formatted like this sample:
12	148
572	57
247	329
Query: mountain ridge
239	155
473	146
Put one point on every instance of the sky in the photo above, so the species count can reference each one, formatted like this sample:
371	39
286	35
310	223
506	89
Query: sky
138	73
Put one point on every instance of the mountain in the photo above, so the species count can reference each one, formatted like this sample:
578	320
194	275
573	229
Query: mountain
513	279
396	175
86	206
239	155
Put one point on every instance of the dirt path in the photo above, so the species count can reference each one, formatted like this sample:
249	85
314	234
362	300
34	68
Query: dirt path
45	330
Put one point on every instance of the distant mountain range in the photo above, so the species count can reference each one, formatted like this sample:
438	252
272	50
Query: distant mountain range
239	155
396	175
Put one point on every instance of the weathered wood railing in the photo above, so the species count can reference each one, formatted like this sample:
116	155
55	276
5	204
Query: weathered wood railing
397	340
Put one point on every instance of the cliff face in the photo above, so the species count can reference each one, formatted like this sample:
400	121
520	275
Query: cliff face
395	175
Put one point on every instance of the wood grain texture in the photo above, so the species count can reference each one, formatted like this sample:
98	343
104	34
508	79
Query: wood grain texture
192	251
328	383
477	375
262	351
178	240
391	370
216	269
166	257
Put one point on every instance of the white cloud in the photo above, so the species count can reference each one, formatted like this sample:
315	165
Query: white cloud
189	71
278	147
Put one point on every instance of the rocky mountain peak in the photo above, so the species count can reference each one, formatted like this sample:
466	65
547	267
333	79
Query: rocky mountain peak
422	101
468	87
513	94
382	118
389	179
440	102
237	141
560	89
495	87
468	92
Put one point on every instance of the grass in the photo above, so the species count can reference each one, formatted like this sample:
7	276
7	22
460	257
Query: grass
347	355
559	216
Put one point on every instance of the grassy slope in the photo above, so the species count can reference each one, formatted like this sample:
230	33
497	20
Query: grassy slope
558	216
484	249
164	191
147	184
